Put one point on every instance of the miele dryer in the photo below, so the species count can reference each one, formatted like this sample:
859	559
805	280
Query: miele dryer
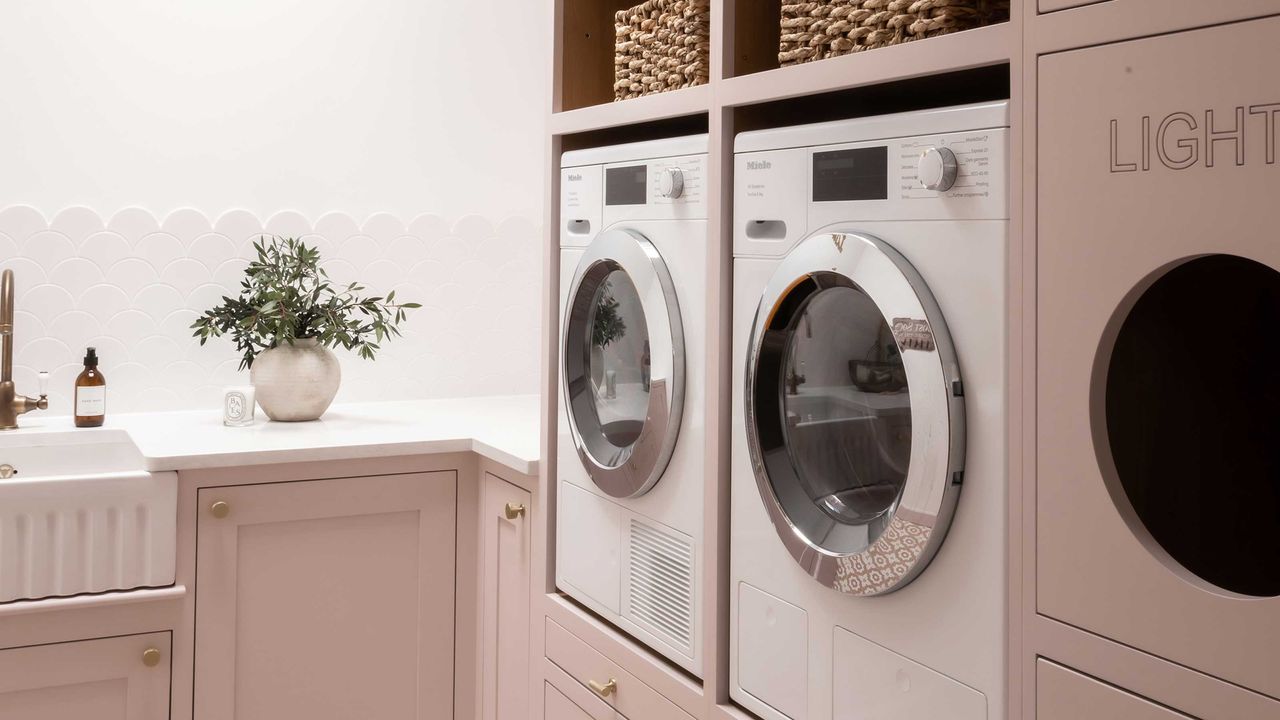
868	537
1158	347
630	444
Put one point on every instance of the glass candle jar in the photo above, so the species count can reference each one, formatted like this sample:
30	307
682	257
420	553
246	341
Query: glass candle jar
238	406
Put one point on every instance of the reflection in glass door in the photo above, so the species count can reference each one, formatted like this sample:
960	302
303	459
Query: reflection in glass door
623	363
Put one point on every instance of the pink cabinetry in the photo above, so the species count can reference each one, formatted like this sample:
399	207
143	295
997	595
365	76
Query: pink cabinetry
1064	694
326	599
120	678
505	615
608	681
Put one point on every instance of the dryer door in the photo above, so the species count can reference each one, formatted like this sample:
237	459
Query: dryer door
623	363
854	412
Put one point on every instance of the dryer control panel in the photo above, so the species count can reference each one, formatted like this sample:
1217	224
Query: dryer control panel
593	197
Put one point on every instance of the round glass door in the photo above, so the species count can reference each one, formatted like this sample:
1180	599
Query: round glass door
855	419
623	363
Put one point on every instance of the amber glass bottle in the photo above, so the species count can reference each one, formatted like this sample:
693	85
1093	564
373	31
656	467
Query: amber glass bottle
91	393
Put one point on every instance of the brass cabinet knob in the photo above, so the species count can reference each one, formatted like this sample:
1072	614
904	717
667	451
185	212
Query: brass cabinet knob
151	657
514	510
220	509
606	689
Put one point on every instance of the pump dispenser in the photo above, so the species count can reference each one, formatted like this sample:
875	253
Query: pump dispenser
91	393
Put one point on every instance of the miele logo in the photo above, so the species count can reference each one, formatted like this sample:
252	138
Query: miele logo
1181	140
573	177
759	164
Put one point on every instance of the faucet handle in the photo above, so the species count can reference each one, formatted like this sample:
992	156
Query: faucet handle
43	378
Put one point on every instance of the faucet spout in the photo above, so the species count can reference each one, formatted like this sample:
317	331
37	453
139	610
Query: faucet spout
11	403
6	326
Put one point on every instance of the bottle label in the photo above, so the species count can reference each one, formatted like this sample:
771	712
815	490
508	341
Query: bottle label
91	401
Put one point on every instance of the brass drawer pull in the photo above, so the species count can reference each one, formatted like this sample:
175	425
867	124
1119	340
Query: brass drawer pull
220	509
151	657
514	510
604	690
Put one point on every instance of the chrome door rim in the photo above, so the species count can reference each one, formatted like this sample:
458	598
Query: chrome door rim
633	254
925	508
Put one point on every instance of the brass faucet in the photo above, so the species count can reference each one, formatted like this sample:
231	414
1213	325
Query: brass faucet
11	403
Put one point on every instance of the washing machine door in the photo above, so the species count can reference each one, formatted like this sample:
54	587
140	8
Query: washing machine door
623	363
855	413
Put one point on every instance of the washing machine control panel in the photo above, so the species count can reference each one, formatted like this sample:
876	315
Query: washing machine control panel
782	195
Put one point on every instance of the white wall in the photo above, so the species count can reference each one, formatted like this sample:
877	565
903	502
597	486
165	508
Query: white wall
361	106
312	108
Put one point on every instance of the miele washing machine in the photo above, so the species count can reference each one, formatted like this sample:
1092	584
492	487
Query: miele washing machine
1157	417
869	519
630	450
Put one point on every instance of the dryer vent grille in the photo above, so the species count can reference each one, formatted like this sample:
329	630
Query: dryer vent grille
661	584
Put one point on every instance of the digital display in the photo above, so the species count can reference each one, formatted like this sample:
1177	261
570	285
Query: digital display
626	185
855	174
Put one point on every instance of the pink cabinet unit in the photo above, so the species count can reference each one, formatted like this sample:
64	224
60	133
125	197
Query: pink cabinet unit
326	599
120	678
1158	295
504	568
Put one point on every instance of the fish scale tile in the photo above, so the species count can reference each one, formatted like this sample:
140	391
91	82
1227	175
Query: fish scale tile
132	283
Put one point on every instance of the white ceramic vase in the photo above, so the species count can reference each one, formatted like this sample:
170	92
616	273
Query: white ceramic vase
296	382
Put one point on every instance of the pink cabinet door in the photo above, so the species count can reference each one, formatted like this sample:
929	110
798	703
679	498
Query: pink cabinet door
121	678
1064	694
504	523
327	599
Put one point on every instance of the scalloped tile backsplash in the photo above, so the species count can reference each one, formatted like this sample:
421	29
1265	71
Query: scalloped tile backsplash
132	284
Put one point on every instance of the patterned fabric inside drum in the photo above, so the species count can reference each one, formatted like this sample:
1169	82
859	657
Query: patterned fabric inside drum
829	28
661	45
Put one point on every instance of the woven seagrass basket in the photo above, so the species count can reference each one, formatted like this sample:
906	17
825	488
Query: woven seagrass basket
661	45
829	28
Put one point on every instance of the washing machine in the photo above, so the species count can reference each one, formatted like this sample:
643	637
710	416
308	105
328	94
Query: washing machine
868	510
1157	519
630	441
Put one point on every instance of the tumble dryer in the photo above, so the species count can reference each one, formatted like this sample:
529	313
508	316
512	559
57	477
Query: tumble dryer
629	448
868	538
1157	518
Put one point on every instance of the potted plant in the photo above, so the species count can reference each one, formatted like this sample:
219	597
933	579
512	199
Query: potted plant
286	318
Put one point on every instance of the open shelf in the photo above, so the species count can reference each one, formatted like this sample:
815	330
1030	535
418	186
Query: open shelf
982	84
585	60
637	132
586	55
991	45
675	103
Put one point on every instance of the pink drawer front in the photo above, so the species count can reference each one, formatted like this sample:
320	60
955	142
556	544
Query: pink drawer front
1064	694
629	695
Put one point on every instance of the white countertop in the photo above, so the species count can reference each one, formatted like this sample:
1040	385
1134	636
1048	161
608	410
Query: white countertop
503	429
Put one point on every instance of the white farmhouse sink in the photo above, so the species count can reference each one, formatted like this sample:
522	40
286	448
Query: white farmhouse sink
81	515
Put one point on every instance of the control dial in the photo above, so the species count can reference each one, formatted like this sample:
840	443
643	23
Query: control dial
671	183
937	169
